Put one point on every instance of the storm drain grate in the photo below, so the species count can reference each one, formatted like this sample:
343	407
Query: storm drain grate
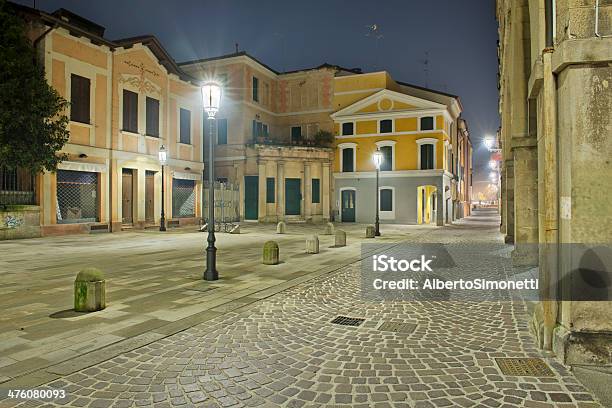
524	367
405	328
348	321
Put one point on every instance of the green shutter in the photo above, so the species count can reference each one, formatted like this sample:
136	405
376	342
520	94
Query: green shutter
316	191
386	199
222	131
270	190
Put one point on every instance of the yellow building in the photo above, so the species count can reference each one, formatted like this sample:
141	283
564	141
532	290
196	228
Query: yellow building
128	98
414	128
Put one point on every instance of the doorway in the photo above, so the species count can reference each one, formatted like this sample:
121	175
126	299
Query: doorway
150	197
127	206
347	198
293	196
251	197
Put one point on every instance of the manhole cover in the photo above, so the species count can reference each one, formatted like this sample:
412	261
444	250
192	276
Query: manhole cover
348	321
524	367
397	327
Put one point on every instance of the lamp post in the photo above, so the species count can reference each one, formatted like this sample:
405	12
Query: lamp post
163	158
378	159
211	99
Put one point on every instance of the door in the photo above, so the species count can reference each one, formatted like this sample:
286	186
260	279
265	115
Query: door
293	196
251	197
126	197
149	197
348	205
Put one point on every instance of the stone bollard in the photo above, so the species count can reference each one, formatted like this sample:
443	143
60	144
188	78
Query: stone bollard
329	229
312	245
340	238
89	291
370	232
280	228
270	253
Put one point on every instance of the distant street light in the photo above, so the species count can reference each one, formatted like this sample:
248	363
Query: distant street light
163	158
378	159
211	100
493	164
488	142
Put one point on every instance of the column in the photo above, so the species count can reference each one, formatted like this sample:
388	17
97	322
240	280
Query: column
239	169
525	203
261	203
307	196
440	201
325	189
280	190
139	196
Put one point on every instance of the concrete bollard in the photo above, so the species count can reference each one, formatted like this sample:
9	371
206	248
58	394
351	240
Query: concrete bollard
89	291
340	238
370	232
270	253
280	228
329	229
312	245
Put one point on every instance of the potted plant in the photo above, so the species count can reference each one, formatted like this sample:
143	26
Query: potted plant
323	138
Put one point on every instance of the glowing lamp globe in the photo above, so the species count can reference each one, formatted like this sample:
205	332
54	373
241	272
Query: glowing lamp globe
163	155
377	157
211	98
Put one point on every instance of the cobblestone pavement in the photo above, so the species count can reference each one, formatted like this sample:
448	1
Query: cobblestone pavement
283	351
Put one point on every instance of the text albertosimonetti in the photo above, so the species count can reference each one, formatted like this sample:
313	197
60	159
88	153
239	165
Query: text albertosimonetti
384	263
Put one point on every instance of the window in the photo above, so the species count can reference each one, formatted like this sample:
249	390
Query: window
152	117
255	89
316	190
347	159
130	111
221	131
79	98
185	127
347	128
427	156
386	199
270	190
427	123
77	196
265	130
386	126
387	164
296	134
259	129
183	198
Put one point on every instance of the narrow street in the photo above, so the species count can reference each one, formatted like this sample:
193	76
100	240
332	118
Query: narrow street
283	350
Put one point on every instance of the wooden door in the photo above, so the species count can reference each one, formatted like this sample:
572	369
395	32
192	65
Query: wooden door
348	205
293	196
127	205
150	197
251	197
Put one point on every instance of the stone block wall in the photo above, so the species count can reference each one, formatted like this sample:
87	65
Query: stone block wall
19	221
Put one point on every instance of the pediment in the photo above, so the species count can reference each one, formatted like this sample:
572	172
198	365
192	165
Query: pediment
387	101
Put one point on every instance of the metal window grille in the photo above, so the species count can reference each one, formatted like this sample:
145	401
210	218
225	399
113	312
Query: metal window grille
227	202
77	196
16	187
183	198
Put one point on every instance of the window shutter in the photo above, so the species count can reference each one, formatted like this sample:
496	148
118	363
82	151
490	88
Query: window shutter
270	190
386	199
316	190
221	131
347	159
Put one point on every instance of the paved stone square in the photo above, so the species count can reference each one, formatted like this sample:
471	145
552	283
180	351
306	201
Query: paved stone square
282	350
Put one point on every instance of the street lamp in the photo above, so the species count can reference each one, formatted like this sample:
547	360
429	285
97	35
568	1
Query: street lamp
377	157
163	158
211	99
493	164
489	142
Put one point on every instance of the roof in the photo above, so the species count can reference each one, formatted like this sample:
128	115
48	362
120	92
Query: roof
82	27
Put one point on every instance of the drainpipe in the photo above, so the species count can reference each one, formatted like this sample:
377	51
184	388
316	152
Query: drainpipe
550	259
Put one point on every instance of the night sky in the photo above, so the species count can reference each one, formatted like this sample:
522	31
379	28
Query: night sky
457	38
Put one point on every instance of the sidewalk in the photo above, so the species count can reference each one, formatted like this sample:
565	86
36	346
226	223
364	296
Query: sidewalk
154	289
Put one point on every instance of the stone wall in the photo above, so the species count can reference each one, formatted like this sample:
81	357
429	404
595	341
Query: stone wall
19	221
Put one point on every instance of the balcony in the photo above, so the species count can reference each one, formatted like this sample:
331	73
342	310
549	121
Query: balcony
321	139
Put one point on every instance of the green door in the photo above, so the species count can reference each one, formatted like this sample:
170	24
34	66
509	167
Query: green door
251	197
348	206
293	196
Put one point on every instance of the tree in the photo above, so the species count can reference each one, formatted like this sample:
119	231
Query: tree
33	123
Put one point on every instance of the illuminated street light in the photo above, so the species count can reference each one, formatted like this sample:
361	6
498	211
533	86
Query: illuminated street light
211	101
493	164
378	158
